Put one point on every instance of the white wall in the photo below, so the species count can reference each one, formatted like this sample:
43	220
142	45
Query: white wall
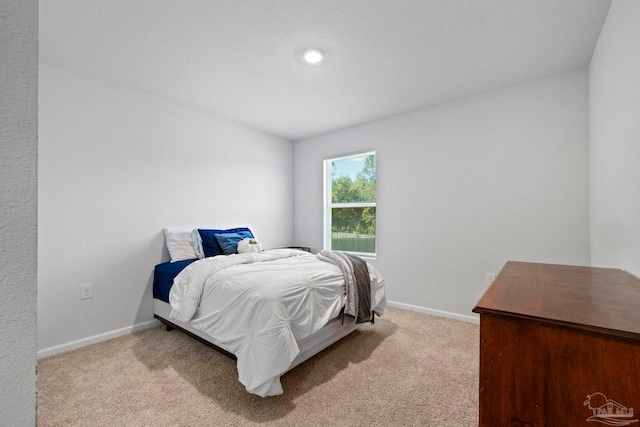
18	199
464	187
614	87
116	166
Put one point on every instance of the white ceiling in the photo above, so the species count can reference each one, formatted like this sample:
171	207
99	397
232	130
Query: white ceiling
240	59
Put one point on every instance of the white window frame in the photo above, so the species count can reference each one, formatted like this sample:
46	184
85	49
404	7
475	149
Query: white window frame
329	205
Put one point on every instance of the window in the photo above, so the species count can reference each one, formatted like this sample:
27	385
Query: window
350	203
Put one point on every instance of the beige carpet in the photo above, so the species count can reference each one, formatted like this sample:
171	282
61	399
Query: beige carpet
408	369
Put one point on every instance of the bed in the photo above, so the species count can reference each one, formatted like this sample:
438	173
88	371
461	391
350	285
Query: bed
269	310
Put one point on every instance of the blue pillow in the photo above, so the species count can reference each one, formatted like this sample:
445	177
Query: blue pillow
210	245
229	241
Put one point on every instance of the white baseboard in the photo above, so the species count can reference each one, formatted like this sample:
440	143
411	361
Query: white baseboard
62	348
56	349
434	312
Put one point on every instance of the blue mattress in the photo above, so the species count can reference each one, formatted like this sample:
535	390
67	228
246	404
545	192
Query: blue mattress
163	276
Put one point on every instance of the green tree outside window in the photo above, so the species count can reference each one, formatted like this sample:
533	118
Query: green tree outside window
353	203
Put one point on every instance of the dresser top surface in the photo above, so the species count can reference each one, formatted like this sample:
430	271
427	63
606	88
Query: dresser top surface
600	300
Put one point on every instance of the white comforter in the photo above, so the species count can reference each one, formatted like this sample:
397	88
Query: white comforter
258	305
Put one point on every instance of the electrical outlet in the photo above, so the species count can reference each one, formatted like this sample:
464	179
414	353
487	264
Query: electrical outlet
86	291
490	278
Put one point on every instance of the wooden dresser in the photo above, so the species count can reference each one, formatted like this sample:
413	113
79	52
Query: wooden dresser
560	347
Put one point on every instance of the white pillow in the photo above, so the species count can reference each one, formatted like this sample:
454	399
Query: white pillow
197	243
246	246
180	244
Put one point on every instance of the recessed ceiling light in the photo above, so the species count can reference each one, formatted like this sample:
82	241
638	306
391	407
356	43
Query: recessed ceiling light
313	55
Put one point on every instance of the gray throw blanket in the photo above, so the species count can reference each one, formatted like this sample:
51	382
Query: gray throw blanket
357	283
